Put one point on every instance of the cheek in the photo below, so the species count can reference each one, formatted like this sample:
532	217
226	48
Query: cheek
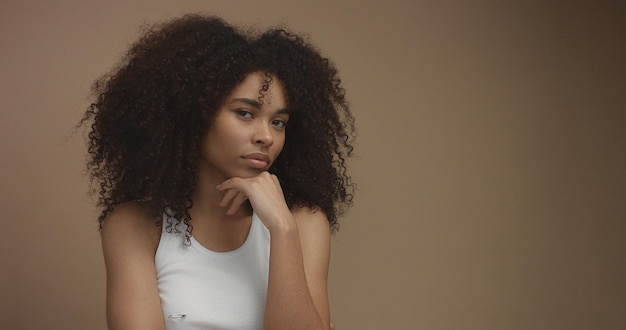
280	142
219	135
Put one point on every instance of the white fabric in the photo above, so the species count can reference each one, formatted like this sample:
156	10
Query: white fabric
204	289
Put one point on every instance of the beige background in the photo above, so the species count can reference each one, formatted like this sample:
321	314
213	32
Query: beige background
491	168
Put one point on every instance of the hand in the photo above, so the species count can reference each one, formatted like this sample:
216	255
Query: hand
264	193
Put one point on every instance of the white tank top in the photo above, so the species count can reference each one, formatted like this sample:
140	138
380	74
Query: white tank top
204	289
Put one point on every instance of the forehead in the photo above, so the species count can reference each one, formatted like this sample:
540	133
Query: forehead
265	88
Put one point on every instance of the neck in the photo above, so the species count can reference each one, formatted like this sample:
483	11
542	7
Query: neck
212	227
206	199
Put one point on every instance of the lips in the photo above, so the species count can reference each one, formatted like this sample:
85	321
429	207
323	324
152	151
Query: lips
257	160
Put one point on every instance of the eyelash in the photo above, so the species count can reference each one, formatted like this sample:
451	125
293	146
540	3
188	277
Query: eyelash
280	123
245	114
248	115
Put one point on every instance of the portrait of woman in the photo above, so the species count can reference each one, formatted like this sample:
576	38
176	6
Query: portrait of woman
219	162
312	164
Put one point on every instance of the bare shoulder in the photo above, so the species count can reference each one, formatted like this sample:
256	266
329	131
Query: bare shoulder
131	222
130	237
314	231
309	219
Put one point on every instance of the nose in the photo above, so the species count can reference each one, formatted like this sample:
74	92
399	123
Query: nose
263	135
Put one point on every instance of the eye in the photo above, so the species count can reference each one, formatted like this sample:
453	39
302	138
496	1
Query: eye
279	123
245	114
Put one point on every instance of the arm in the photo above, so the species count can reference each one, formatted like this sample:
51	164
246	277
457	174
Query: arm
297	290
297	296
314	232
129	241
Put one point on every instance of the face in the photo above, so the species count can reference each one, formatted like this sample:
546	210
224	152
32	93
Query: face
248	132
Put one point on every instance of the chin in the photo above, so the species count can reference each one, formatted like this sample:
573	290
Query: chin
246	174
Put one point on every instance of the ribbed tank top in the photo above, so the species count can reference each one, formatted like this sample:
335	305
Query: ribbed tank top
204	289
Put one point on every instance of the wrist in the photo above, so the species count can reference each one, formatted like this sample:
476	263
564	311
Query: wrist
283	225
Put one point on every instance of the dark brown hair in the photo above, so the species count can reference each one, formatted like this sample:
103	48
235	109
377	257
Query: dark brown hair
152	110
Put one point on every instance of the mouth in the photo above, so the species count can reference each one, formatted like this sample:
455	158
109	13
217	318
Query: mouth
257	160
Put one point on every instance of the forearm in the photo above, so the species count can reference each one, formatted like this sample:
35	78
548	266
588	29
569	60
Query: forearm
299	253
289	303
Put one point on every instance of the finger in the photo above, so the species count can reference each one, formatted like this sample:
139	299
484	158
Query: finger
236	203
230	184
228	197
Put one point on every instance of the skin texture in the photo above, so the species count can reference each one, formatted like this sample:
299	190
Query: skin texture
300	238
244	132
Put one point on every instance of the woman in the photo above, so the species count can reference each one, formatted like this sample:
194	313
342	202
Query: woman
218	158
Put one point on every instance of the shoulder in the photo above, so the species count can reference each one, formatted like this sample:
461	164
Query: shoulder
131	224
314	232
130	237
310	220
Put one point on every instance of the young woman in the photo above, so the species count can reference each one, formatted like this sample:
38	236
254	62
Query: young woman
218	158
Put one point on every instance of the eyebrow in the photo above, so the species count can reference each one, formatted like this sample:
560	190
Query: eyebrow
256	104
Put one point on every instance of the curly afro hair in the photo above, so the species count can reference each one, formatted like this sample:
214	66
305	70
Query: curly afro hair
151	112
